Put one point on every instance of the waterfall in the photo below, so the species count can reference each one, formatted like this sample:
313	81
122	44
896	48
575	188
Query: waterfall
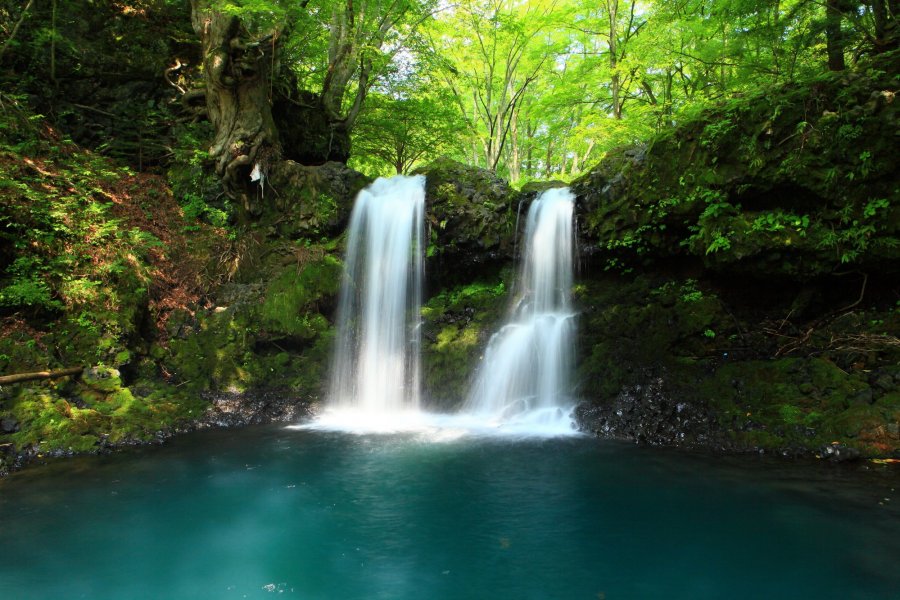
522	386
524	376
376	363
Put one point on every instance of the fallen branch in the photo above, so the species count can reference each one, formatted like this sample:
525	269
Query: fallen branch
20	377
862	294
96	110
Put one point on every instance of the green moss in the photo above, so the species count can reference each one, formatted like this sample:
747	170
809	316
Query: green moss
759	439
102	379
631	324
790	414
762	184
801	402
457	325
636	328
51	423
122	358
289	298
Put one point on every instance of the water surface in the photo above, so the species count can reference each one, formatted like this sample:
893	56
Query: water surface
315	514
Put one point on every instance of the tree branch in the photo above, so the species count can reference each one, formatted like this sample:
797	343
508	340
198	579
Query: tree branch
15	28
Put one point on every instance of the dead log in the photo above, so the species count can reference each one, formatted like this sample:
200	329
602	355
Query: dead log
20	377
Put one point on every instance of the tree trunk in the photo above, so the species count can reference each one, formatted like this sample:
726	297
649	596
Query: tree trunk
529	149
548	166
615	84
834	38
238	76
885	15
514	155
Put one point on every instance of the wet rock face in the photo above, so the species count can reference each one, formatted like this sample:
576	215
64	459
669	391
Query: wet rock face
9	425
650	414
232	409
310	201
470	219
839	453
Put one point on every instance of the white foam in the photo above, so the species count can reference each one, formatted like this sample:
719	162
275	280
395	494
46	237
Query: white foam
443	427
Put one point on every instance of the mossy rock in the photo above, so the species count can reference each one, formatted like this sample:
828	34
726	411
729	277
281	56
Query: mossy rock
795	182
102	379
54	423
311	201
288	304
457	324
271	334
470	216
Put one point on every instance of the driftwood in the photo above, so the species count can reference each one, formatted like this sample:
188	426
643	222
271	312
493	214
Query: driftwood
20	377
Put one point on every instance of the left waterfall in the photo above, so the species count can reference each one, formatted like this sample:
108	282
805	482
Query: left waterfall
376	362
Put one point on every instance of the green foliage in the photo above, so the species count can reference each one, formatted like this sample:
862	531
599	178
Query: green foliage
194	185
859	229
716	131
70	250
619	72
27	291
403	129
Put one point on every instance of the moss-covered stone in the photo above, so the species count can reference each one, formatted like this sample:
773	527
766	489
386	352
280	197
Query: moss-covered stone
747	260
289	298
102	379
471	218
637	331
271	332
457	324
311	201
793	182
71	418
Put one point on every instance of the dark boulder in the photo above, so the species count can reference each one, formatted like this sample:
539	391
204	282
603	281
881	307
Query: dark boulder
836	452
312	200
471	218
9	425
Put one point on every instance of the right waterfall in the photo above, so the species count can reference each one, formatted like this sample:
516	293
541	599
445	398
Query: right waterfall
524	377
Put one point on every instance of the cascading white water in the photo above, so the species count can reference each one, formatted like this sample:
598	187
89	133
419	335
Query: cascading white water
376	362
524	377
375	387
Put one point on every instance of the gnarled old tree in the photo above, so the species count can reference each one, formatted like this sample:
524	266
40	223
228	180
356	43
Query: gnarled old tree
254	98
238	71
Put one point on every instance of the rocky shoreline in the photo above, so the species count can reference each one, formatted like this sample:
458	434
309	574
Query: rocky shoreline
226	410
645	414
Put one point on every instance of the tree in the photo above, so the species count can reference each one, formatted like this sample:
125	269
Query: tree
395	133
834	10
494	53
238	67
265	97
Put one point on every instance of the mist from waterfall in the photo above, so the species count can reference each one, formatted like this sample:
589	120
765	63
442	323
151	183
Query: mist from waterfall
524	378
375	372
